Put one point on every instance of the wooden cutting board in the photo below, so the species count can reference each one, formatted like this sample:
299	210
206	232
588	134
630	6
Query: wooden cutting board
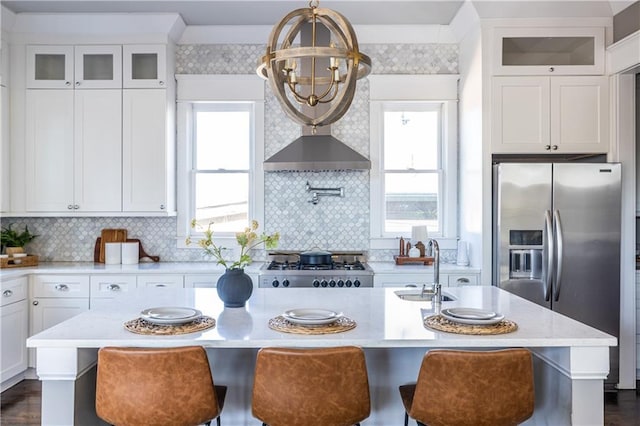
111	236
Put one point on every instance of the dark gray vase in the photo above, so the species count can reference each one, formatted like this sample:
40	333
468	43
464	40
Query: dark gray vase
234	288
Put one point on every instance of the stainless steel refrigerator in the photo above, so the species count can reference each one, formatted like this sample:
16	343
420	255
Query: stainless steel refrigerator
556	240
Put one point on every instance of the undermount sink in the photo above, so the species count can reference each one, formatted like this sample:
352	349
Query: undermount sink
416	295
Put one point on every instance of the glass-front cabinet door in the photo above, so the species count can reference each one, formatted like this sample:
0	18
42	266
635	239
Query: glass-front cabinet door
49	67
98	67
548	51
144	65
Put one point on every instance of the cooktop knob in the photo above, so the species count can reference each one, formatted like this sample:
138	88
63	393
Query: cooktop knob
356	283
348	283
340	283
285	283
275	282
332	283
316	283
324	283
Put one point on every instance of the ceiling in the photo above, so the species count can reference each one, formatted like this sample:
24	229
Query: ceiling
359	12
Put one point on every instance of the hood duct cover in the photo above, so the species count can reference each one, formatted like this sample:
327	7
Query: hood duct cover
316	153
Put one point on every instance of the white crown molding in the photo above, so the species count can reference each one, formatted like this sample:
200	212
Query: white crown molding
105	27
624	55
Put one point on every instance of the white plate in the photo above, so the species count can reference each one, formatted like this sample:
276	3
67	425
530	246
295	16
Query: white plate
494	320
170	315
470	313
311	316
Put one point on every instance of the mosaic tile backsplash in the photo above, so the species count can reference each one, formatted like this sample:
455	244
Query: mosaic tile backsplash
333	224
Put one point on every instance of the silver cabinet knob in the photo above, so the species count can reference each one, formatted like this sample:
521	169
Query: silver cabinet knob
70	206
113	287
76	207
554	147
161	83
547	147
551	69
35	303
62	287
7	293
77	83
67	83
162	207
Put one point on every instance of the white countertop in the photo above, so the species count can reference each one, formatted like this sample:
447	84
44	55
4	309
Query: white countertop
197	268
383	320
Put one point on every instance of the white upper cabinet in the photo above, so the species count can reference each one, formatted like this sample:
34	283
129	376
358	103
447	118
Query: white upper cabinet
548	51
537	115
98	67
73	150
147	157
80	67
50	67
145	66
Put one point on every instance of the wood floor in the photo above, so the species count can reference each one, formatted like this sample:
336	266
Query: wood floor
21	406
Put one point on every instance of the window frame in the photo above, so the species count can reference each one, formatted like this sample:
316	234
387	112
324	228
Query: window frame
193	91
391	92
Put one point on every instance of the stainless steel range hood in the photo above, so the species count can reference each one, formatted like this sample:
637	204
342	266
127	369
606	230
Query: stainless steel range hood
316	153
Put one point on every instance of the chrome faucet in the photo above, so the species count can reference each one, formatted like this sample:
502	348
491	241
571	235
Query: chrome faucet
437	288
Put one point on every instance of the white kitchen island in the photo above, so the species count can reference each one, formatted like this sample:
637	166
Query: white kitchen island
571	359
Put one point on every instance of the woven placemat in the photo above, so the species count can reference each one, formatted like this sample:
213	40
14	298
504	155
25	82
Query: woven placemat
279	323
140	326
438	322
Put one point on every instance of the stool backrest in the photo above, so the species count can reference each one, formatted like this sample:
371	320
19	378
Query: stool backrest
474	388
324	386
145	386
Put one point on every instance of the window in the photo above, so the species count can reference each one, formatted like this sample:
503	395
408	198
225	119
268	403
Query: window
414	158
221	165
220	154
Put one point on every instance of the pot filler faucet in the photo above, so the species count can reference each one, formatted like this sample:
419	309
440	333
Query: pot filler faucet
437	288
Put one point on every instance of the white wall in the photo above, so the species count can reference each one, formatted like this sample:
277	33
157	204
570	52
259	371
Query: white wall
467	29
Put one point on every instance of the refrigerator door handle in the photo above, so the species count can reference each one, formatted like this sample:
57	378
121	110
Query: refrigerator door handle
560	242
550	249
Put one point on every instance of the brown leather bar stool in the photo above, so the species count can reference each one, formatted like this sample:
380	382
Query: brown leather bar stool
471	388
157	386
302	387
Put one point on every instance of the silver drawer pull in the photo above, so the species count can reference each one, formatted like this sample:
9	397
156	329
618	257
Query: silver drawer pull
463	280
7	293
159	285
113	287
62	287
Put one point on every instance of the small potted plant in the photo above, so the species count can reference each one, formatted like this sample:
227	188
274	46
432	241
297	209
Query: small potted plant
235	287
13	241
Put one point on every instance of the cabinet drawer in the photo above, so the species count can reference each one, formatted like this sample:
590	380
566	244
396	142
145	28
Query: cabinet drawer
13	291
111	285
60	286
172	281
402	280
458	280
201	281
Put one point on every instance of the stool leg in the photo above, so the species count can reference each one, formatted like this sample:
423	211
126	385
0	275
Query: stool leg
406	419
218	420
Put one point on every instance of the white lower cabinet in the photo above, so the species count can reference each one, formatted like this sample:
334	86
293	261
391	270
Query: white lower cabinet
14	328
56	298
165	280
401	279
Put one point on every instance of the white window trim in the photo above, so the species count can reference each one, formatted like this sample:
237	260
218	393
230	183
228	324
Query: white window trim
442	89
217	88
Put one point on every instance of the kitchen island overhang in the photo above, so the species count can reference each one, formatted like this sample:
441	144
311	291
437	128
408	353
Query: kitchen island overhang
571	360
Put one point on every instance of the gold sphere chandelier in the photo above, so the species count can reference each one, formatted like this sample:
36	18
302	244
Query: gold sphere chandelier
315	80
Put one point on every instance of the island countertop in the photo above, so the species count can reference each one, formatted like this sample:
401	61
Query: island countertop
570	363
383	320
